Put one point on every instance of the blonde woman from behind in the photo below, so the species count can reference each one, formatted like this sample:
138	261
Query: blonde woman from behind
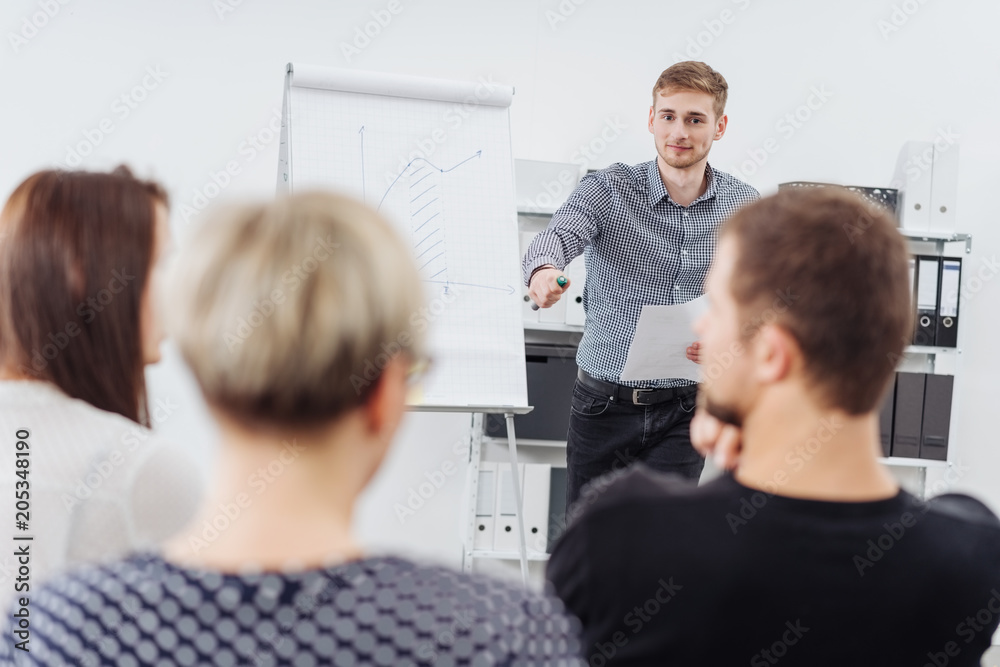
270	572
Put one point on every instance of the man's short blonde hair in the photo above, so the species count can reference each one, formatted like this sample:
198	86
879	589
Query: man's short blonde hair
287	311
695	76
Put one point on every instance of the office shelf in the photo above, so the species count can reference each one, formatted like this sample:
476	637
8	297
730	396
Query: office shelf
938	237
930	349
508	555
552	326
526	442
912	463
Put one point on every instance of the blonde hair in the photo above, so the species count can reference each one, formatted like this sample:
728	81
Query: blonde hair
696	76
286	312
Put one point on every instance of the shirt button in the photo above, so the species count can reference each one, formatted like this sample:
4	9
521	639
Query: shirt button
676	287
685	214
684	252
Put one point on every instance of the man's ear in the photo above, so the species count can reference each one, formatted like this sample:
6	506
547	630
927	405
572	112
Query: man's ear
652	114
720	127
776	353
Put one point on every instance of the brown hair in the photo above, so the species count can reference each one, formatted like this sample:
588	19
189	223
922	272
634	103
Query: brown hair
75	256
841	268
696	76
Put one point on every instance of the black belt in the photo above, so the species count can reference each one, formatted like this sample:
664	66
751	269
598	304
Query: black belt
634	395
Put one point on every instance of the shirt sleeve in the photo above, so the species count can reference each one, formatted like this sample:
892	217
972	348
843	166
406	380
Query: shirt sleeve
573	226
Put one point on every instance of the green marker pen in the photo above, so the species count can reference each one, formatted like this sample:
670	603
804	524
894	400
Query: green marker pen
561	281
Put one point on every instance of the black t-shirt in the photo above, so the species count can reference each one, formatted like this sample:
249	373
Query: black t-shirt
660	571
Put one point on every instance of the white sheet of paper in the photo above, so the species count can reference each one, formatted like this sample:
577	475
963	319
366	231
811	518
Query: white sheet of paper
662	336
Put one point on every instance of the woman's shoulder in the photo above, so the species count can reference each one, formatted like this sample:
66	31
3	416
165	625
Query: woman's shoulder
393	605
42	407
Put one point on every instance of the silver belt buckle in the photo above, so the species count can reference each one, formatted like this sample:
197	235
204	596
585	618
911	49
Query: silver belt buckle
635	396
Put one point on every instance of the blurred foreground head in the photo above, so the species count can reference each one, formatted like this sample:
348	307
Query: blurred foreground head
808	286
292	313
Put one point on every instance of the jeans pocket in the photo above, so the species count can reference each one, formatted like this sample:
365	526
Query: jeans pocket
688	403
588	403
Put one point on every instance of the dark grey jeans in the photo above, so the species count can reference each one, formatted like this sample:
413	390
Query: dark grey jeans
606	434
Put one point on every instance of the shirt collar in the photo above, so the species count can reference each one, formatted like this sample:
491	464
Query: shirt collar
657	190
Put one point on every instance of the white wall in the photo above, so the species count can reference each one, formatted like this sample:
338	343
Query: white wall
577	69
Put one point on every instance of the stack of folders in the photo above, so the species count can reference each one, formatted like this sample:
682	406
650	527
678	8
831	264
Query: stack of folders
936	282
916	416
544	489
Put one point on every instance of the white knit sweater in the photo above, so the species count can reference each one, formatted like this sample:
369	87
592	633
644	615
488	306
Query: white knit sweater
99	484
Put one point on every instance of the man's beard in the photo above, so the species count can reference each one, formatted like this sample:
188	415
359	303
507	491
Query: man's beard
724	413
681	162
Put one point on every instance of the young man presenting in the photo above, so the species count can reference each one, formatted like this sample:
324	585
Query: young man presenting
809	549
647	233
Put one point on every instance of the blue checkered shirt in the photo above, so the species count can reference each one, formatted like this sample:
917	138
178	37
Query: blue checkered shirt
640	248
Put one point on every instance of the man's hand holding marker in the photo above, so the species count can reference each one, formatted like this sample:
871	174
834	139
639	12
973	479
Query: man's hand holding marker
547	285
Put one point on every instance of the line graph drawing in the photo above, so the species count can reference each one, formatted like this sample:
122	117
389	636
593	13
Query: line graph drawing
427	164
448	191
417	192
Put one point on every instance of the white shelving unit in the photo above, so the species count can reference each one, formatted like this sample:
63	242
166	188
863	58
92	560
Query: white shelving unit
932	359
535	332
927	359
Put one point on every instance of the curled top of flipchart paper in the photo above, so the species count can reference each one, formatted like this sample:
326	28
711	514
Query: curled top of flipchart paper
483	91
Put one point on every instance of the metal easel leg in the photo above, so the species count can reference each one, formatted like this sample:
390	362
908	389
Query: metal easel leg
518	498
472	484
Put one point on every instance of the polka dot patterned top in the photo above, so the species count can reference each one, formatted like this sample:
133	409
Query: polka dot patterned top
375	611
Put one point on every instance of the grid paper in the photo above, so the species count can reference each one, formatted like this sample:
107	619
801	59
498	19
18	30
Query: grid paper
442	173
